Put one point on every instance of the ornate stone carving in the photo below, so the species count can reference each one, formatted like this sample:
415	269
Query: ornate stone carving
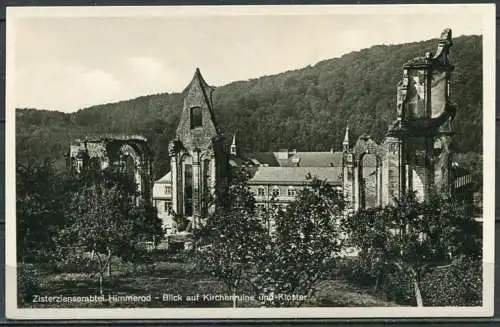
173	148
445	42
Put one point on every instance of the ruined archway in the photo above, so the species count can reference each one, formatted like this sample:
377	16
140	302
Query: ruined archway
130	162
369	170
368	177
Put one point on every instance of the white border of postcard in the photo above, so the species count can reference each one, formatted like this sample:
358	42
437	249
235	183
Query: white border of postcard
486	11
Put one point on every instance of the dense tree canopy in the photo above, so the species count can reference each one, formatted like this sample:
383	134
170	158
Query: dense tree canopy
411	240
306	109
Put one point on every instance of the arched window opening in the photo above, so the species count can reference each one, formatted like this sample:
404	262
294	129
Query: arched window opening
196	117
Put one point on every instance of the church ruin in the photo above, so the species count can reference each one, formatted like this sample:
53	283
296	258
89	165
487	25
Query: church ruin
414	156
129	155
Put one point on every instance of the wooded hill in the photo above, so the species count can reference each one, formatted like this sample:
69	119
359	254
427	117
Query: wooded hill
306	109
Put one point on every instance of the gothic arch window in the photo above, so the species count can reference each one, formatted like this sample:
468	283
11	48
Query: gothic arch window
205	185
129	167
196	117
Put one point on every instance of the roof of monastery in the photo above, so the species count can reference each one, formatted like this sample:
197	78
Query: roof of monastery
165	179
295	175
311	159
262	158
236	161
296	159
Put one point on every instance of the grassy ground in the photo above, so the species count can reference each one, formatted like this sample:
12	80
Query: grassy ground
177	278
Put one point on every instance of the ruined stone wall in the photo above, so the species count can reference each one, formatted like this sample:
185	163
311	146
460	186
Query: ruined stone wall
198	144
368	180
348	180
368	173
391	170
107	152
439	92
198	137
416	97
442	163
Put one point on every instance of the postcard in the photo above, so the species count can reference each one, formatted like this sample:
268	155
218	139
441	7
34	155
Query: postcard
248	162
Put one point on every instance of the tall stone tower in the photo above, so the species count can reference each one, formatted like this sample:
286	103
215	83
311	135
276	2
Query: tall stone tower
419	140
197	154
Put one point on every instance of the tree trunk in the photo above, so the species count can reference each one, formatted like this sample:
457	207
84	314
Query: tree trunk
418	294
416	286
109	263
91	257
235	301
101	272
100	285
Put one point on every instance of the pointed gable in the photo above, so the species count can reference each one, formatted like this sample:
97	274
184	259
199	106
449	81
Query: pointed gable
197	125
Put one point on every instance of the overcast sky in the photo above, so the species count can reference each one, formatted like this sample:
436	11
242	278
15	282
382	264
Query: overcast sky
70	63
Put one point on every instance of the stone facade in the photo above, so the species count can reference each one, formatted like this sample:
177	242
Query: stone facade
128	154
415	155
198	158
282	184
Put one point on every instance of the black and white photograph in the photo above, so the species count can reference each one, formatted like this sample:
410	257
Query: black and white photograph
185	162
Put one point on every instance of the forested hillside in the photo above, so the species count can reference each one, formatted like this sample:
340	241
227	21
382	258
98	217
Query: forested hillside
306	109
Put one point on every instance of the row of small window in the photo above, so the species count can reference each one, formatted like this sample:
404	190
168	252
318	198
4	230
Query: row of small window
261	191
275	191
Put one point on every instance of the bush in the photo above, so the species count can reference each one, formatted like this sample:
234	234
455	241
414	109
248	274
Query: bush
354	271
398	287
459	284
28	283
71	260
